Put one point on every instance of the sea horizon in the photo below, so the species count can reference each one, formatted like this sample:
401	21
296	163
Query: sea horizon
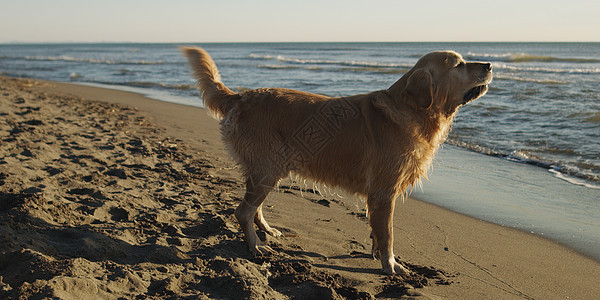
290	42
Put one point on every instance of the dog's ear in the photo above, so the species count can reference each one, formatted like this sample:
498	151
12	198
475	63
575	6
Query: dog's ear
419	88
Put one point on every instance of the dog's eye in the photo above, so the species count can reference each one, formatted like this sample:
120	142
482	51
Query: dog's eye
460	65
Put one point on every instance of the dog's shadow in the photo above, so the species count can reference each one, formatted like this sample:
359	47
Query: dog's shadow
353	255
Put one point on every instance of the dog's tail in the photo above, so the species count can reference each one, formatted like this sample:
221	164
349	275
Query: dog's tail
218	98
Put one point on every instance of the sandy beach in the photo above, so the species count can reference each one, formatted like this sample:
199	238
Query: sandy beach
106	194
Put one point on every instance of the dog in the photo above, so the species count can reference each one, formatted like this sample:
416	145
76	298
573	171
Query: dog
373	145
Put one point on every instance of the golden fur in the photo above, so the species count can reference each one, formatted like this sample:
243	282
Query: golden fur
375	145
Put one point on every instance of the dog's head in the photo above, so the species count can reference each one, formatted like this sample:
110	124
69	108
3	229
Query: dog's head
443	81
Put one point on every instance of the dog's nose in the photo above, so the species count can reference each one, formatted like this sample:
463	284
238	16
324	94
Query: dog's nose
487	66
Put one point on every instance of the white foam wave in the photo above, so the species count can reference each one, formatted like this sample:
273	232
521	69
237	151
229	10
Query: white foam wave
547	70
277	67
487	56
524	79
525	57
75	76
352	63
146	84
568	172
573	180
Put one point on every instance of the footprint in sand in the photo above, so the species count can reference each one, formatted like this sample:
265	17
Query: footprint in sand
116	172
52	170
119	214
33	122
27	110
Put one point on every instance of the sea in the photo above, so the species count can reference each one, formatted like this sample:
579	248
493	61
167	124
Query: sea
541	115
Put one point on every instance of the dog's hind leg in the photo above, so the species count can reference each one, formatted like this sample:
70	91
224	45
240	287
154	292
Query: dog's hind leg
257	189
381	211
262	224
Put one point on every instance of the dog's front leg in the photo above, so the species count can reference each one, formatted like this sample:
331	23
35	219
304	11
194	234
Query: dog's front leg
381	212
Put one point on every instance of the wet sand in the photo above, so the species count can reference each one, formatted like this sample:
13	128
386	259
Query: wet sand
108	194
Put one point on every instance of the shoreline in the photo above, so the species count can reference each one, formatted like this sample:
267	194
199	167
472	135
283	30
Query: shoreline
471	258
515	195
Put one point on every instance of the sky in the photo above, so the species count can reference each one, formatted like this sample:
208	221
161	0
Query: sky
200	21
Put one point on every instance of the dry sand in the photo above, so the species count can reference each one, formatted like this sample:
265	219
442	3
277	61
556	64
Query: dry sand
108	194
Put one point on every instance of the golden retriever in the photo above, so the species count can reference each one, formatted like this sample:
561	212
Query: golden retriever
374	145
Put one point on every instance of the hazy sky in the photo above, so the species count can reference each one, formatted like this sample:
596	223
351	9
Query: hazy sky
298	20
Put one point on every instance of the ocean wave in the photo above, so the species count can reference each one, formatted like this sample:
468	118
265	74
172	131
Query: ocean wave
583	174
278	67
145	84
573	180
524	79
524	57
328	62
64	58
521	68
341	70
540	58
376	70
75	76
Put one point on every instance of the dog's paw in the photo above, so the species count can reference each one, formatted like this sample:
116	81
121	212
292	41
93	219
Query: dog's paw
402	270
274	232
262	250
396	268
